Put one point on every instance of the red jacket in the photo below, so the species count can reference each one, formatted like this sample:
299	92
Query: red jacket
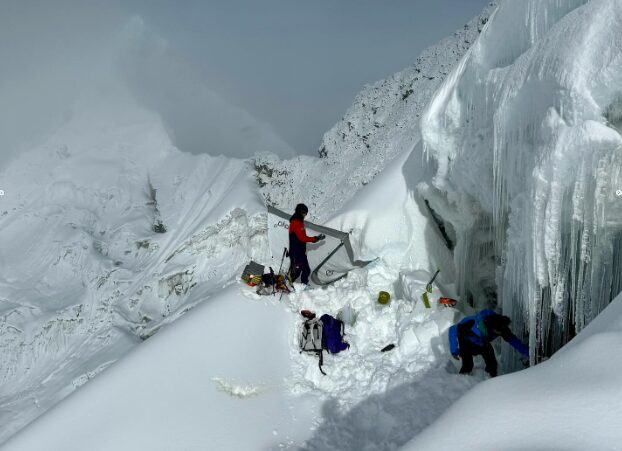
298	238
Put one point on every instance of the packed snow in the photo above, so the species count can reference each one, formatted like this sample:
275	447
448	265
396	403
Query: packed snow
113	237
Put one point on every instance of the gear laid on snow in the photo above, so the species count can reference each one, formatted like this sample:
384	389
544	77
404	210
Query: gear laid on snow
252	273
267	283
447	302
273	283
307	314
310	340
384	297
472	336
332	336
320	334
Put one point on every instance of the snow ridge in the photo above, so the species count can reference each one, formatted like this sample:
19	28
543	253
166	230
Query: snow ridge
109	233
382	122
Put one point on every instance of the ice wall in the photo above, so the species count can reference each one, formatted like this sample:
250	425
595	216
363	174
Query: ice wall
526	135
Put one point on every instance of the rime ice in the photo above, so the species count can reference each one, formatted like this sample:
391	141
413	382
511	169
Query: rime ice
526	135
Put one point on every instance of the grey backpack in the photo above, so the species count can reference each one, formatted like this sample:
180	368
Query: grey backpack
310	339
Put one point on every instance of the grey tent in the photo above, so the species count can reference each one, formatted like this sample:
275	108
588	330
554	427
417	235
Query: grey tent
330	259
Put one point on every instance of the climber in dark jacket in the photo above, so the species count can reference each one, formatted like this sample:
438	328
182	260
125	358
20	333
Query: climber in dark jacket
298	239
472	336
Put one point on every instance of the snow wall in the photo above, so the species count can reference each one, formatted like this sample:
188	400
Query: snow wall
526	137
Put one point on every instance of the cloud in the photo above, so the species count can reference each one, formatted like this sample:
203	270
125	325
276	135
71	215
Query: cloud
198	118
49	55
59	53
226	76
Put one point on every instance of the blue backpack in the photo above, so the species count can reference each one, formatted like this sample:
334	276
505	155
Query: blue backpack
332	334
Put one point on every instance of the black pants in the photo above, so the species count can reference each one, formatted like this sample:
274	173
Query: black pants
299	266
468	349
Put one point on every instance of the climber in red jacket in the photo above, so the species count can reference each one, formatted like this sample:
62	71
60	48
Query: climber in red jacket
298	239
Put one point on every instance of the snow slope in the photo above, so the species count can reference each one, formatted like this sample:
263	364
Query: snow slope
84	274
525	134
184	389
246	347
210	382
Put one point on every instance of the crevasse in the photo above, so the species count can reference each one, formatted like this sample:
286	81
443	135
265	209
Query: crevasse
526	134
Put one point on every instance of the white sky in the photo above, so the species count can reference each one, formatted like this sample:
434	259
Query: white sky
298	64
294	66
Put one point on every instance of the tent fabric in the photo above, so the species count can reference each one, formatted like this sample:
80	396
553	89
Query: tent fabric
330	259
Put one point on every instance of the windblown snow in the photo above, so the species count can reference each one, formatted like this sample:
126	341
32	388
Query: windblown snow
495	158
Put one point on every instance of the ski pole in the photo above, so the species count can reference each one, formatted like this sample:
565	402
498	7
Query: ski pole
280	268
282	258
273	281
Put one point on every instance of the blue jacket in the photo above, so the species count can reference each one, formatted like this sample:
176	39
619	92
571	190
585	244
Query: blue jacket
473	328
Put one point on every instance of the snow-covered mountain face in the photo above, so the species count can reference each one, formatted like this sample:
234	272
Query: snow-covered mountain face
382	122
88	268
110	232
526	135
92	180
